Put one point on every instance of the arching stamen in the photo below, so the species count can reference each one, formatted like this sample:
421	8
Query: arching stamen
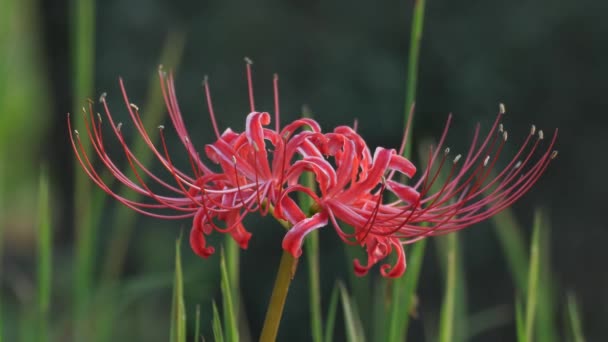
248	63
275	86
210	106
372	218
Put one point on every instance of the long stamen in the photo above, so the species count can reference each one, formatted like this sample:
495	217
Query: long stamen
249	62
275	85
210	106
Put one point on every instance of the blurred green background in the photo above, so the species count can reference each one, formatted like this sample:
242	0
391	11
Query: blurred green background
546	60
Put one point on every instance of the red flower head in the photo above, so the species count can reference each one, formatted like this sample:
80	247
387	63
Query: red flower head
352	182
354	191
246	181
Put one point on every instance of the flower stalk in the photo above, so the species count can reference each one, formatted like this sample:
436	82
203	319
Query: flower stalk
287	270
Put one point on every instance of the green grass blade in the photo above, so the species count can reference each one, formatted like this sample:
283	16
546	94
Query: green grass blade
331	315
533	276
352	322
197	324
230	319
488	320
546	328
178	310
519	321
218	334
360	286
404	288
403	294
574	319
412	67
45	255
379	313
154	109
2	189
311	246
83	44
448	308
513	245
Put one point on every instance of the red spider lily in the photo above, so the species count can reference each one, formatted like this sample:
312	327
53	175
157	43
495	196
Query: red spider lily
246	181
353	191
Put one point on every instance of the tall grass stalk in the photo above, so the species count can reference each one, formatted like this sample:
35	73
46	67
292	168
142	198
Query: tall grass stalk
330	322
216	325
2	189
178	309
574	319
403	294
230	318
404	288
197	324
83	47
533	276
446	323
412	67
352	322
513	245
45	256
546	328
311	246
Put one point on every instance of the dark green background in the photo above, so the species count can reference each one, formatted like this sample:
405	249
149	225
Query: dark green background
546	60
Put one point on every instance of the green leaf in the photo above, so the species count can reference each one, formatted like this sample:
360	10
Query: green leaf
379	313
404	293
360	286
448	308
331	315
546	328
197	324
519	321
533	276
412	67
511	239
574	319
311	246
216	323
230	319
352	322
83	57
45	256
178	310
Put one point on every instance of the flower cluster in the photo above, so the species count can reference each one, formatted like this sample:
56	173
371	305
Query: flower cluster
362	194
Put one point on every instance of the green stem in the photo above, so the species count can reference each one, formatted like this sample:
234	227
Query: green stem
287	269
412	67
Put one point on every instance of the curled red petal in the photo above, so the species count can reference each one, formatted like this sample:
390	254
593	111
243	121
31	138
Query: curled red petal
404	192
292	242
198	243
398	268
402	165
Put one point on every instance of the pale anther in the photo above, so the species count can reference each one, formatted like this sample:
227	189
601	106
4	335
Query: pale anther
457	158
501	108
134	106
485	162
554	154
541	135
102	97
